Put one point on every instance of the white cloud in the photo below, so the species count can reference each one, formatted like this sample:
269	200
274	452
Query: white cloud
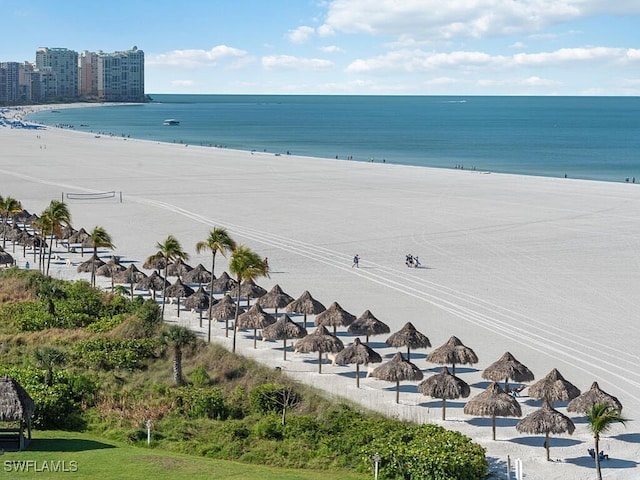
518	45
434	19
540	82
195	57
331	49
300	34
295	63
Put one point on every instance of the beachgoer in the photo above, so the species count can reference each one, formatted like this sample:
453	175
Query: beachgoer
356	261
416	262
265	262
26	265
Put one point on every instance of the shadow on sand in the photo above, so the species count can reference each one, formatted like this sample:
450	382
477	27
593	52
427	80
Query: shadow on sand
539	441
612	463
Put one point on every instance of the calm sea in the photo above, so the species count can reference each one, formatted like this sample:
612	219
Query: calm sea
585	137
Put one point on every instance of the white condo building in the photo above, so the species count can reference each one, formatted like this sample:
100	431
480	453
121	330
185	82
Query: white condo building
64	65
120	76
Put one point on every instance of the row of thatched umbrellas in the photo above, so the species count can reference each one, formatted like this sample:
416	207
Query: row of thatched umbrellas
493	402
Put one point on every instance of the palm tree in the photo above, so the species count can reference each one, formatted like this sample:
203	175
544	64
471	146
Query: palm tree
9	207
178	338
217	241
54	217
245	264
601	417
98	238
47	358
170	250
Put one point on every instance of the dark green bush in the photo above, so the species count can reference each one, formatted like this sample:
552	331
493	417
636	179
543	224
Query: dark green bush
200	402
268	427
272	397
113	353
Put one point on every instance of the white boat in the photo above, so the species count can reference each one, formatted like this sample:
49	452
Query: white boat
171	121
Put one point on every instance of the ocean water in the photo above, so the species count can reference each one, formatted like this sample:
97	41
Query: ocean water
594	138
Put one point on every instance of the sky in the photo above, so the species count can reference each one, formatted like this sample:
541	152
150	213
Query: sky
349	47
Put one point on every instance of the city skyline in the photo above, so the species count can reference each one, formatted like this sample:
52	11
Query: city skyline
419	47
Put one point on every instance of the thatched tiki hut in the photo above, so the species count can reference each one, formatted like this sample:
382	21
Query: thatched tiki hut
454	351
367	324
357	353
554	388
307	305
493	402
320	341
283	329
334	316
16	406
445	386
396	370
591	397
507	368
255	318
546	420
275	298
408	337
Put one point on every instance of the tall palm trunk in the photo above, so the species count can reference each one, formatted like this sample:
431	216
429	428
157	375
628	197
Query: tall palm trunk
177	366
235	321
164	286
93	266
50	251
597	456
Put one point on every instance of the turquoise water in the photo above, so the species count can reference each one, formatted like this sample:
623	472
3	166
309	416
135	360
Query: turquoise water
585	137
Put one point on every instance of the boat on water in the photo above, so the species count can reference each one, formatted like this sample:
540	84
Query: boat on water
171	121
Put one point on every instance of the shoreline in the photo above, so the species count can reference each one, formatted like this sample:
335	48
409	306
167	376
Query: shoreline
532	265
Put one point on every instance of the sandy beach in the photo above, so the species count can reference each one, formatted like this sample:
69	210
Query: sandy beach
545	268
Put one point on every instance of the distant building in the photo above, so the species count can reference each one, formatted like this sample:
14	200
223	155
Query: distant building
9	85
120	76
88	75
64	64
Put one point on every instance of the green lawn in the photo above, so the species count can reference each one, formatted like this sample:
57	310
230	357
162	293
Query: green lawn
87	456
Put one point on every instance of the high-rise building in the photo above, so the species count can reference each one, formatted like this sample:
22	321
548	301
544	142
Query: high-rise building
88	74
9	83
64	64
120	76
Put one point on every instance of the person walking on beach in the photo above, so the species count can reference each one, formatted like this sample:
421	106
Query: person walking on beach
416	262
356	261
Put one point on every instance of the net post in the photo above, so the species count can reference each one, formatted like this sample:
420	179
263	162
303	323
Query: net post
121	197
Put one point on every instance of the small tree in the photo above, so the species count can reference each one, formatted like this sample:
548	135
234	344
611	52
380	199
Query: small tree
53	218
178	338
98	238
170	250
47	358
601	417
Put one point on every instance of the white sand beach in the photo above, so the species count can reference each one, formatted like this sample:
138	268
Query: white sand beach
545	268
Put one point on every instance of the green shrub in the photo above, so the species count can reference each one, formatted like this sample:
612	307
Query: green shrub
272	397
111	353
199	377
200	402
268	427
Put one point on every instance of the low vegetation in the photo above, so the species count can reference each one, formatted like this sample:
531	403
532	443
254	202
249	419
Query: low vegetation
103	364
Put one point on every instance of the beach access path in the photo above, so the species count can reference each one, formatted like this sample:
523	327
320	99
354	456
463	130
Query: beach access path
546	268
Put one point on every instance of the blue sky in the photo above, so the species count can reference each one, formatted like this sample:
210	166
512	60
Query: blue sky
396	47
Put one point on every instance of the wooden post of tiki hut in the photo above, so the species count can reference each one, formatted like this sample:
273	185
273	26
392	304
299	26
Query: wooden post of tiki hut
16	406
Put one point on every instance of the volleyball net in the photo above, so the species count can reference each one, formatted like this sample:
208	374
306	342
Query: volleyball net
91	197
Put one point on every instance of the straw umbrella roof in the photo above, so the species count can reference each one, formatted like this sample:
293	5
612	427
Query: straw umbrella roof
335	316
78	236
506	368
223	283
275	298
21	216
357	353
546	420
320	341
591	397
31	219
154	263
249	289
179	289
178	268
152	282
554	388
5	258
307	305
255	318
199	274
408	337
454	351
88	265
367	324
398	370
67	231
110	268
199	300
493	402
445	386
225	309
283	329
131	274
15	403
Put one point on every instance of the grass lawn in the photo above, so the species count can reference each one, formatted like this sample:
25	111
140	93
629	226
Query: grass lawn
87	456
